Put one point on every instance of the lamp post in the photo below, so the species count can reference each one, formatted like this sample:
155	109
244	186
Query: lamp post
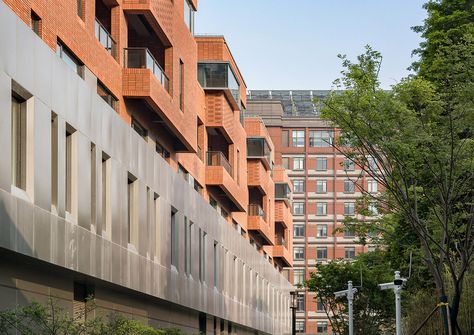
349	293
294	306
396	286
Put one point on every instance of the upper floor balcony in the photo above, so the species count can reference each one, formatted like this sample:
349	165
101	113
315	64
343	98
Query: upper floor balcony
105	38
142	58
220	76
257	221
283	214
258	148
217	158
259	177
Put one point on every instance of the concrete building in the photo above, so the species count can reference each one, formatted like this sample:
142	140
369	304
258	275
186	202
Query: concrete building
124	173
325	187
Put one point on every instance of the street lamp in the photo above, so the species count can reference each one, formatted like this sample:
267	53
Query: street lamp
349	293
294	306
396	285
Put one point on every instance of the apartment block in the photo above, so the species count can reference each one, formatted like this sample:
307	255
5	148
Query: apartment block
124	170
325	188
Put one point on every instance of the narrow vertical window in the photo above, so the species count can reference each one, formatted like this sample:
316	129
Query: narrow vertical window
174	240
216	264
18	141
238	167
54	161
106	206
80	9
70	169
189	15
132	217
93	188
156	221
36	23
284	138
186	246
181	85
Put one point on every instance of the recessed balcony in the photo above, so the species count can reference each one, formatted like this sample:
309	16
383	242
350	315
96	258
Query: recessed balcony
258	177
217	158
142	58
257	222
258	148
219	76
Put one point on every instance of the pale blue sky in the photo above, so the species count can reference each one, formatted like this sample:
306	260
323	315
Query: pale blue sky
293	44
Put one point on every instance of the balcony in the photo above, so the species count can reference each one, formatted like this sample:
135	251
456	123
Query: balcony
257	222
141	58
105	39
219	174
258	148
281	250
219	76
283	214
258	177
283	192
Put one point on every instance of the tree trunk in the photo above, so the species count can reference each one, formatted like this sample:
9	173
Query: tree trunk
454	311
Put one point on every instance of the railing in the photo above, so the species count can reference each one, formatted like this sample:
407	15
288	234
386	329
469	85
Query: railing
217	158
280	240
256	210
141	58
105	39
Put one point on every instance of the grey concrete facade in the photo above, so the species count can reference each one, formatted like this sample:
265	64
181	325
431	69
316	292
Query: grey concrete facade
249	291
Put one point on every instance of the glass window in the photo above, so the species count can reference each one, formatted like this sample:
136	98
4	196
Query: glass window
284	138
319	305
322	326
108	97
298	230
18	142
298	185
322	231
285	162
372	164
349	233
80	9
220	76
372	186
298	253
71	61
321	253
321	138
372	208
189	16
321	186
298	276
297	138
299	326
321	208
349	208
174	240
36	23
348	165
349	186
349	252
300	302
298	208
216	264
142	131
298	163
321	164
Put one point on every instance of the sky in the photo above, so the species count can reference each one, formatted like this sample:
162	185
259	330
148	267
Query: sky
293	44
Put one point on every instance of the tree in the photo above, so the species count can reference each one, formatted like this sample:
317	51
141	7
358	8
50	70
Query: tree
416	142
373	308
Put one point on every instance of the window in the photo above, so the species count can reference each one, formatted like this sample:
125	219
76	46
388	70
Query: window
70	59
160	150
36	23
285	162
298	163
174	240
187	245
298	230
349	252
321	164
182	172
54	161
372	164
300	302
349	233
298	185
321	253
132	222
372	208
349	208
213	202
106	194
299	326
372	186
108	97
189	15
202	255
297	138
322	231
298	208
18	142
93	188
319	305
197	187
216	264
298	276
348	165
80	9
284	138
321	186
349	186
298	253
70	168
142	131
81	293
181	85
322	326
321	208
321	138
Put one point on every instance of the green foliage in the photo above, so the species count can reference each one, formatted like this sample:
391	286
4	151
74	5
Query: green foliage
373	308
51	319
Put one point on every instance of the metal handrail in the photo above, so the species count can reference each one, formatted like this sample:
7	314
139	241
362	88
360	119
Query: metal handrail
217	158
256	210
142	58
105	38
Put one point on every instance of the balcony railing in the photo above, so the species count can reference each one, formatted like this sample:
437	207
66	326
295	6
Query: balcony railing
105	39
141	58
282	191
280	240
219	75
256	210
217	158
